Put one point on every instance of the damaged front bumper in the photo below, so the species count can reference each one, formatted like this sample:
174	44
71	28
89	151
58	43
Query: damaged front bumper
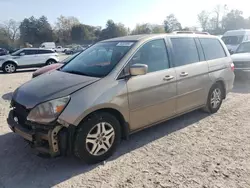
53	140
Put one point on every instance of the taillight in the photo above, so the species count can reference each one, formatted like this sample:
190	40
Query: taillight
232	66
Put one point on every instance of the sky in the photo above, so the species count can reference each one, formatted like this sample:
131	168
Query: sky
128	12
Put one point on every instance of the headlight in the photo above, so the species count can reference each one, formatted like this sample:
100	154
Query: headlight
48	111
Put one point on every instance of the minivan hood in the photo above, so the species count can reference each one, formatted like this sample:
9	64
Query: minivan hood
50	86
241	57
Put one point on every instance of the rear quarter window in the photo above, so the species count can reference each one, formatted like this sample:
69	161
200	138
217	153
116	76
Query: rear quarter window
212	48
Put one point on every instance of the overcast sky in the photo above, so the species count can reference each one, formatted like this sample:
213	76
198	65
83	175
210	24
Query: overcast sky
128	12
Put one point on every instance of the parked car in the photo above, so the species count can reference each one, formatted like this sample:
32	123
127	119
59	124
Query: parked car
52	67
60	49
74	50
234	38
117	87
3	52
241	59
48	45
26	58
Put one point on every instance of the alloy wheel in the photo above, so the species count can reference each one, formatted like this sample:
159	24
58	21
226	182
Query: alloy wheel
100	139
216	98
10	68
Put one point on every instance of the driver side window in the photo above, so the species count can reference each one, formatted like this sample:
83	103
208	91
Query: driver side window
154	54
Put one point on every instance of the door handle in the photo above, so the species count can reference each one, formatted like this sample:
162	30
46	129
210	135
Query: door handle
168	77
183	74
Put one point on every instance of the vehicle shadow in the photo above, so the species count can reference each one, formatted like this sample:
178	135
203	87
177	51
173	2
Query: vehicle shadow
20	71
241	85
7	96
20	168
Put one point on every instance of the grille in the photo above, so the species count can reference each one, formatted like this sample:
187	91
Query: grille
20	112
242	64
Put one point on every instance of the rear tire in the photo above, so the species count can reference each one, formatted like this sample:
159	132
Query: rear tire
215	98
9	67
50	62
97	138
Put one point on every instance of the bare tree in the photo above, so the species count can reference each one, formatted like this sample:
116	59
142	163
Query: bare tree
203	19
11	30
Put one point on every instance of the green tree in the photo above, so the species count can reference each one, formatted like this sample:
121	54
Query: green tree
63	28
35	31
157	29
113	30
141	29
171	24
233	20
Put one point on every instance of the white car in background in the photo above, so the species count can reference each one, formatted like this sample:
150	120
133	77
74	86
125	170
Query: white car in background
241	59
27	58
234	38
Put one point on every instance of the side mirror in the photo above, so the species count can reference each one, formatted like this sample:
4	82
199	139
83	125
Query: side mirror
138	69
22	54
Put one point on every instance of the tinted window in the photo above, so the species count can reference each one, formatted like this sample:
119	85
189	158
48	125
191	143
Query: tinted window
185	51
212	48
29	52
99	59
233	40
243	48
45	51
153	54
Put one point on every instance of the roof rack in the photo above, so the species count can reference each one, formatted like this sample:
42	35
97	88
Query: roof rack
190	32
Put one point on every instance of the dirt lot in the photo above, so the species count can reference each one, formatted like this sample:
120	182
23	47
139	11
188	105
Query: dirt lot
194	150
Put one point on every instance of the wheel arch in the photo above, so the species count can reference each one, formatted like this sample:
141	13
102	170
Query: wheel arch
116	113
222	83
52	59
10	61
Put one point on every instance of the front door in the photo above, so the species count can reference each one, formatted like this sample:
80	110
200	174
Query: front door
27	57
152	96
191	72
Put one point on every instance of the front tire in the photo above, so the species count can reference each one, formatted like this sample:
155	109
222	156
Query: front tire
97	138
215	98
9	67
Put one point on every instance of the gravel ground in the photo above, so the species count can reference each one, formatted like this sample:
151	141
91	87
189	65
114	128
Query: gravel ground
194	150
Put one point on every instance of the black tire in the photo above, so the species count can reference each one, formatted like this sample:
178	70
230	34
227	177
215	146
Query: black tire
50	62
80	144
209	107
6	67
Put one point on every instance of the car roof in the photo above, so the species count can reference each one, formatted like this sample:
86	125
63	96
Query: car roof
35	49
149	36
237	32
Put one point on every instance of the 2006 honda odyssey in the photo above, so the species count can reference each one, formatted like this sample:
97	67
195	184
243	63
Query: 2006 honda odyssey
117	87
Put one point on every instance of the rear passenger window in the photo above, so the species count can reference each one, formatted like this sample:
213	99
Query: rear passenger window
185	51
212	48
46	51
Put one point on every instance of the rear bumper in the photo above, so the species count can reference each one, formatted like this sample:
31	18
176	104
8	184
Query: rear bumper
242	72
51	141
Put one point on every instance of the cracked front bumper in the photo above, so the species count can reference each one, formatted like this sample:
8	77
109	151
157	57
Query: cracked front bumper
44	139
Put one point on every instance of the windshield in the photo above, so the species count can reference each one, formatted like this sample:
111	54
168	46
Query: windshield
17	52
99	59
244	48
232	40
68	59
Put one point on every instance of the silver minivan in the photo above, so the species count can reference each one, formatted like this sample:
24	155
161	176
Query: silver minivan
117	87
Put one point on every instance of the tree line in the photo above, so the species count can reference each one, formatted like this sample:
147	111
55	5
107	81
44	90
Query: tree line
69	30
